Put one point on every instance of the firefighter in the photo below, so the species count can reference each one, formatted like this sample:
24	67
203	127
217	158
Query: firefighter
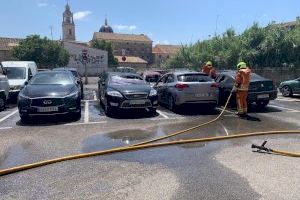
242	81
209	69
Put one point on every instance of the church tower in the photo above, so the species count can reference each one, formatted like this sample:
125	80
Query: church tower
68	25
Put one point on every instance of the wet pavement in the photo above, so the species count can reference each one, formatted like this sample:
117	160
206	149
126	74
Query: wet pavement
210	170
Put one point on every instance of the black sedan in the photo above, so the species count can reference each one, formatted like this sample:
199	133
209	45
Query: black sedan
261	90
75	74
50	93
125	91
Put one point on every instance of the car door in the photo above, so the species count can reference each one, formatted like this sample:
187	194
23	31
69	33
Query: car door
297	86
160	87
225	86
169	86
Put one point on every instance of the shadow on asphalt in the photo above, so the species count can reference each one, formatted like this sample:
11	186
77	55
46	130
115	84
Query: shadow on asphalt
133	114
47	121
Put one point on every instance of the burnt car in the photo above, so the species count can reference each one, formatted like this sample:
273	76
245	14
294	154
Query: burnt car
290	87
261	90
50	93
125	91
151	77
187	87
75	74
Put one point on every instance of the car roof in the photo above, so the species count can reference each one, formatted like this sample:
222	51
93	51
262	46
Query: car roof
64	68
58	71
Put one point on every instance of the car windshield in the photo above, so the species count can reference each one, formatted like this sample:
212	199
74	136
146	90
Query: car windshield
194	78
126	79
16	72
58	78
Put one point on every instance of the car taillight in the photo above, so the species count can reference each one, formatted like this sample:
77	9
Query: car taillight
181	86
215	85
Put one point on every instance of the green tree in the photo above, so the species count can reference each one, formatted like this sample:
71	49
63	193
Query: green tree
46	53
106	46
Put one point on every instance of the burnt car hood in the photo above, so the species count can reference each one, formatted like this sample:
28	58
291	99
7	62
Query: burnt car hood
132	88
35	91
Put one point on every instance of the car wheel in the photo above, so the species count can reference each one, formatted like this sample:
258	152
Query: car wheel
262	103
108	110
24	119
171	103
287	91
2	102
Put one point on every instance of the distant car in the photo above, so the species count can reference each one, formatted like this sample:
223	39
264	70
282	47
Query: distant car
75	74
125	91
185	87
289	88
261	90
151	77
4	88
50	93
125	70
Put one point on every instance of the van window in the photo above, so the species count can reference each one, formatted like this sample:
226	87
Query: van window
16	72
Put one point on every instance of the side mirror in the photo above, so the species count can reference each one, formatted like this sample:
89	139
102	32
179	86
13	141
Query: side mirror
26	83
30	76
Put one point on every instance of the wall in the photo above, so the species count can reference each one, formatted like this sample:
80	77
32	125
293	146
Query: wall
279	74
97	59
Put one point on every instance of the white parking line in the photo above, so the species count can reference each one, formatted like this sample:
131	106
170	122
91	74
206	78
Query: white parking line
86	123
162	114
9	115
288	99
284	108
86	112
4	128
95	96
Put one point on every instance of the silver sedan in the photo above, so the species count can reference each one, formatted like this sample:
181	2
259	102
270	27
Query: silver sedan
177	88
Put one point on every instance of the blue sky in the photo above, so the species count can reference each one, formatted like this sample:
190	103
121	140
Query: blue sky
164	21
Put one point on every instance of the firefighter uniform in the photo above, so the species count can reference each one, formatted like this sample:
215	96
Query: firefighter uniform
209	69
242	81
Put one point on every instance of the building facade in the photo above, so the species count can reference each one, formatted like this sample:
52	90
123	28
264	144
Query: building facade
6	46
161	53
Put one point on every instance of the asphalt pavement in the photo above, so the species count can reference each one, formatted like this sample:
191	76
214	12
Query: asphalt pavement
212	170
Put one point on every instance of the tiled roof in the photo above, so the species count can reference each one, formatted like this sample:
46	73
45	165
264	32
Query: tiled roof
123	37
165	49
131	59
289	24
8	43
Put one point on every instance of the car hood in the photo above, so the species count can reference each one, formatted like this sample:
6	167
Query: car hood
16	82
288	82
131	88
35	91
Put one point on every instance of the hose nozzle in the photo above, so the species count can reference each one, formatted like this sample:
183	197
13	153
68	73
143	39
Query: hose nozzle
261	148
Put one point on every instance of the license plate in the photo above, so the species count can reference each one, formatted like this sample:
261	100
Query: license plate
48	109
135	102
202	95
263	96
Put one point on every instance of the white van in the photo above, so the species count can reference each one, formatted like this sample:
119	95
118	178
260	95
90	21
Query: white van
18	72
4	88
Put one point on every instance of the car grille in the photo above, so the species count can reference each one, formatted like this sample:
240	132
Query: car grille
136	95
260	86
45	102
126	104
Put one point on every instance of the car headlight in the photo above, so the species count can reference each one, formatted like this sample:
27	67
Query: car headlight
114	94
153	92
73	95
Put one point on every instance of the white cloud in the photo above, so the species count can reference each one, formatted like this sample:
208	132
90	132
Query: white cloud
81	14
42	4
121	27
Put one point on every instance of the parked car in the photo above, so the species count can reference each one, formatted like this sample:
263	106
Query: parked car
75	74
151	77
261	90
125	70
185	87
4	88
50	93
288	88
18	72
125	91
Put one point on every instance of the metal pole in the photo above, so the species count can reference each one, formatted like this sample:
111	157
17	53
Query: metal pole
85	74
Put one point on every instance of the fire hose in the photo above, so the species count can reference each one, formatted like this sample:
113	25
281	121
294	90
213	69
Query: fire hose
145	145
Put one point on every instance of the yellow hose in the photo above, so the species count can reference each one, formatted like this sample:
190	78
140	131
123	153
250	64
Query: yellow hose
131	148
286	153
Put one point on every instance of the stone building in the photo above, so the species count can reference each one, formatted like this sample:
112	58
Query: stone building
6	46
131	45
292	24
161	53
68	26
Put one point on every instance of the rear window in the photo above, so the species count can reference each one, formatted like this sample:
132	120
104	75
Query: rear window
194	78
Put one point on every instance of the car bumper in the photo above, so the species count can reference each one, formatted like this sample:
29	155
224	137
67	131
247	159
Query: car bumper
122	103
265	95
192	99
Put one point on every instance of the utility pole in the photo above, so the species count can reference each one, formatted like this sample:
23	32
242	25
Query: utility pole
51	32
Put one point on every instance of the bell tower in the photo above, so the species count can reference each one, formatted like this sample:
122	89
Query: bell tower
68	25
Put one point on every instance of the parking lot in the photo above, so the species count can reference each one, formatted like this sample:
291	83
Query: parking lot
187	171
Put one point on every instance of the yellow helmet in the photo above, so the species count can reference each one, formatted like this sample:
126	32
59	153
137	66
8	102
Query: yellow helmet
242	65
208	63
